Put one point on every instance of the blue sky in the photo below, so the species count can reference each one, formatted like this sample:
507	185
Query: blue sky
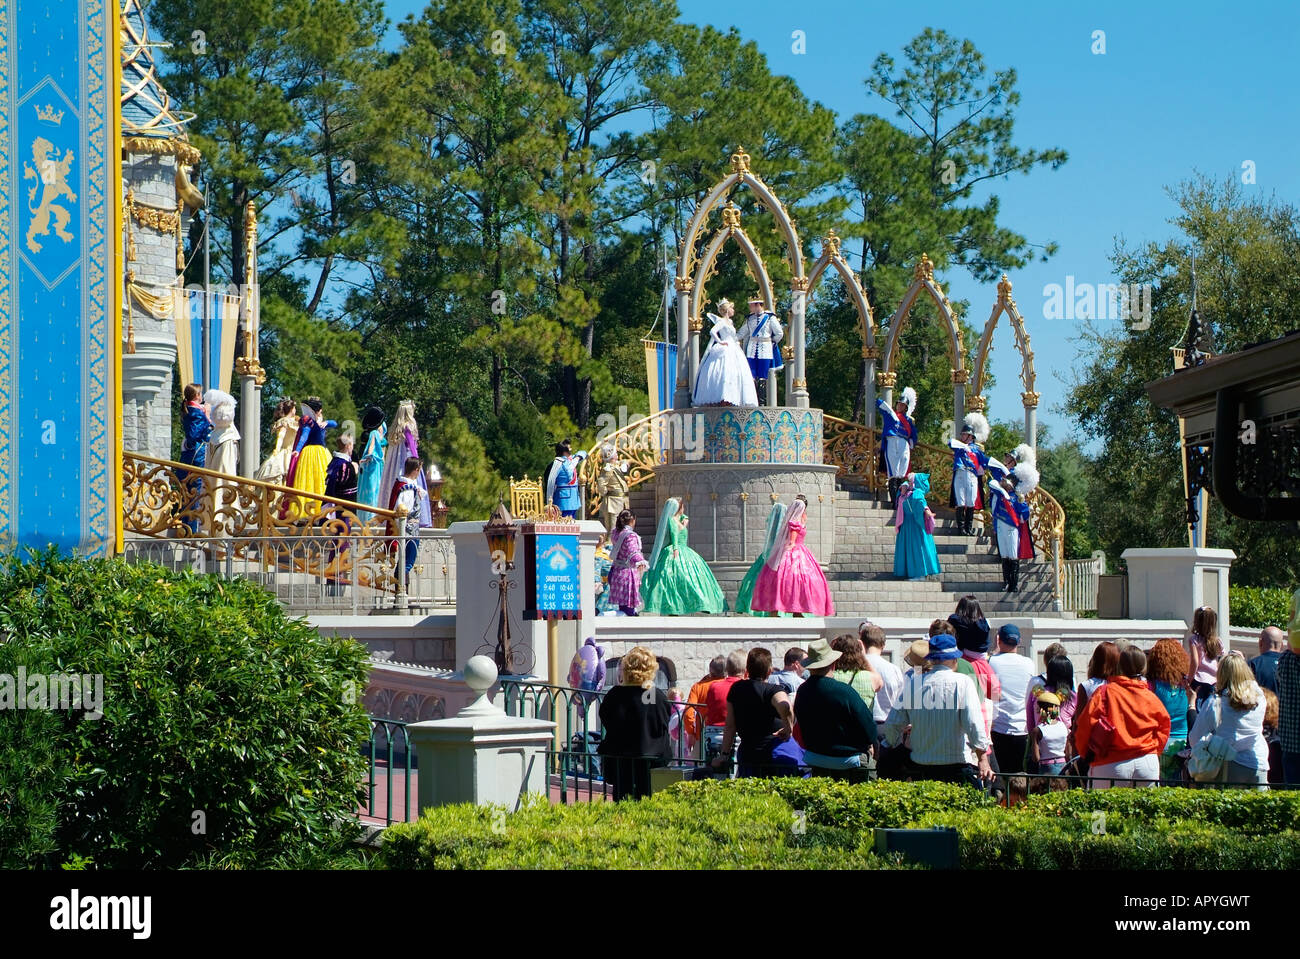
1192	86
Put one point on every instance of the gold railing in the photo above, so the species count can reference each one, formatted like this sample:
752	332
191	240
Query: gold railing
264	524
637	445
855	449
162	498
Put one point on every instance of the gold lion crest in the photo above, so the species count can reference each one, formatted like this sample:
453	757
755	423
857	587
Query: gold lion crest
51	174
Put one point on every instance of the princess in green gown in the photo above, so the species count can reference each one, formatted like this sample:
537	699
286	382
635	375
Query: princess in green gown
775	523
679	582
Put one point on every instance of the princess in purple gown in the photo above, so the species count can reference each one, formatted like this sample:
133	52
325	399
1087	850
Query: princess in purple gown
404	441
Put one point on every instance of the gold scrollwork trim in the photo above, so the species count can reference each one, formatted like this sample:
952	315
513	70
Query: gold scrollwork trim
683	284
871	352
164	221
887	379
162	146
696	324
1030	399
976	404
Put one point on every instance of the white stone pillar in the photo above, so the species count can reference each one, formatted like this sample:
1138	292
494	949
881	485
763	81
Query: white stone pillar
250	425
797	392
869	355
482	756
685	380
1173	583
1031	418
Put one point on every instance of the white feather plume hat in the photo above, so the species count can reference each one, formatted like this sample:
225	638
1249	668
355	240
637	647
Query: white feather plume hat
909	397
978	425
1024	453
1026	479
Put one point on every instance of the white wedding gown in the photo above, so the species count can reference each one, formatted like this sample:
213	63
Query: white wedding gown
724	375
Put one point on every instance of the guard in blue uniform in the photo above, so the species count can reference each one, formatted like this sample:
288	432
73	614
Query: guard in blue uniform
897	437
562	480
969	463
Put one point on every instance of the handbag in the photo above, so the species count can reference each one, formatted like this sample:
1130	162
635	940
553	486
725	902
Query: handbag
1205	764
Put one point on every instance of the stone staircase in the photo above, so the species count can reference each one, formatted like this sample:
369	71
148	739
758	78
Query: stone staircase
861	573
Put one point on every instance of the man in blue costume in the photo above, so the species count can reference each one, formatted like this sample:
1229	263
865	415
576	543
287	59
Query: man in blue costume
969	463
897	437
562	480
760	335
196	427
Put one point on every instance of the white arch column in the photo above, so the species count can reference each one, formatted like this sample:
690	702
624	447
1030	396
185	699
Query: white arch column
685	379
797	391
959	395
1031	419
869	356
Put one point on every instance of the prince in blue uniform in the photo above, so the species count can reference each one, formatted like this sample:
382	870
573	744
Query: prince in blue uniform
562	480
969	463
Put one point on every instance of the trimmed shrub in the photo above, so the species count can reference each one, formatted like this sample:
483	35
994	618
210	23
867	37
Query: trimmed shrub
1243	811
704	829
1254	607
229	731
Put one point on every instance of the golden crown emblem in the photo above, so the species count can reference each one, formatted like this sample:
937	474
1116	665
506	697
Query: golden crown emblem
49	115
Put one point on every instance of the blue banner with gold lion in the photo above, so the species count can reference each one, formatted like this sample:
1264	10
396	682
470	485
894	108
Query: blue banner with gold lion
60	188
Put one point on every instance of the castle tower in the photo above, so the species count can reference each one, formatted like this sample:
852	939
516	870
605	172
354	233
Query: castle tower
159	199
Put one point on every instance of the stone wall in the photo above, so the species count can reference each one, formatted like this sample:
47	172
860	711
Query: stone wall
148	402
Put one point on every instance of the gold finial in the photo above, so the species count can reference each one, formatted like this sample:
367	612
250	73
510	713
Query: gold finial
960	376
924	269
1004	288
831	243
731	216
740	161
684	284
975	404
887	379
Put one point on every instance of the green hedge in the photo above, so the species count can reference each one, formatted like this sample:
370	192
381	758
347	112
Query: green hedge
823	824
708	829
230	733
1254	607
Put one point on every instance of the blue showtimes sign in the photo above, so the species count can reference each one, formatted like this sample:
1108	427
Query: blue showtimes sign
557	572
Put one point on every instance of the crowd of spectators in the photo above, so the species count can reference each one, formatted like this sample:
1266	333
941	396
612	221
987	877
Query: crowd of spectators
958	714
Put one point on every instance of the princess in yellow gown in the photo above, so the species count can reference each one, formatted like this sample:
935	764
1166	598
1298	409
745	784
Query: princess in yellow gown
275	468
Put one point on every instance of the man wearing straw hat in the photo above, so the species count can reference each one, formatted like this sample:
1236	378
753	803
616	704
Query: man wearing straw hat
942	710
836	726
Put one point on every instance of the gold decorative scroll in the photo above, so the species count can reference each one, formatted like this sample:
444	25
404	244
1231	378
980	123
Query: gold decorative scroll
160	307
162	146
164	221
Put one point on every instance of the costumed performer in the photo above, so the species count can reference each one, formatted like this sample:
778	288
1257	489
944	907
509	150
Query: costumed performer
791	581
310	457
897	437
275	468
914	554
223	457
370	472
968	465
562	479
404	443
679	582
612	485
196	427
761	337
626	565
775	523
724	377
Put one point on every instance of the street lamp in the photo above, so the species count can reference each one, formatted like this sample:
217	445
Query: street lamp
437	507
500	533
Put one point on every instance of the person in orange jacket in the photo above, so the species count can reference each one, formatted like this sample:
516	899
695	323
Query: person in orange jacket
693	720
1124	727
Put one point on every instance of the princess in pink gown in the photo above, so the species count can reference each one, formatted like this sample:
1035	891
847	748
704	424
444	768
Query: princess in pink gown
791	581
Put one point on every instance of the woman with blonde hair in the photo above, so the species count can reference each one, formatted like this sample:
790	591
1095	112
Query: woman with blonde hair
1236	716
634	718
1203	649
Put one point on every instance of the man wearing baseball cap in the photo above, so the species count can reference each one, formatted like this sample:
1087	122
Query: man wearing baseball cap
947	725
836	726
1010	731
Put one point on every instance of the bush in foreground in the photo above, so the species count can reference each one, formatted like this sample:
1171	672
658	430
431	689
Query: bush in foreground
229	731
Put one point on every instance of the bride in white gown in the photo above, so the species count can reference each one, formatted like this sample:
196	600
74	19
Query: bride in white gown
724	377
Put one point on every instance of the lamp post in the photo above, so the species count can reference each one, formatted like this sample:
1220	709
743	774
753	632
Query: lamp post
500	533
437	508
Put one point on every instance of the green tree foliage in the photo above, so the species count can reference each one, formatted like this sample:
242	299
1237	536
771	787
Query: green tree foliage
1248	287
472	484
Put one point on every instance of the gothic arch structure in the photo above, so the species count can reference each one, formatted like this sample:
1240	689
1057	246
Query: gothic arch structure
923	282
832	258
692	272
706	266
1007	304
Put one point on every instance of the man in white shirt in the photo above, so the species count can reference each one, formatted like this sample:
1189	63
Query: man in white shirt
941	708
1010	731
873	638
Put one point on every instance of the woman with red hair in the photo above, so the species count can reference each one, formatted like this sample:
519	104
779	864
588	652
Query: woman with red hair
1167	676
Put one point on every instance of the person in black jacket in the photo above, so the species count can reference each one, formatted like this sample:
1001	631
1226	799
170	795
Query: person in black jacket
634	726
835	724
